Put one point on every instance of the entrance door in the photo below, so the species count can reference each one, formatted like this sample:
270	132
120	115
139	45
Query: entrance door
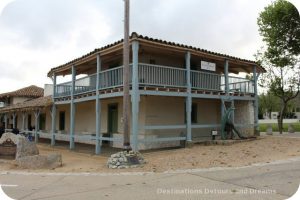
62	120
112	126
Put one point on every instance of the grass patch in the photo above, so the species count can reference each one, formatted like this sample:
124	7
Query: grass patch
263	127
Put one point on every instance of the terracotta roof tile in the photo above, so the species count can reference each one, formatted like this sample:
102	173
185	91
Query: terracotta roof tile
31	91
40	102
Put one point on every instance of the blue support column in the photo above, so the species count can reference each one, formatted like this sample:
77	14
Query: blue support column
36	115
222	108
5	120
23	120
53	113
72	110
226	77
188	98
98	108
53	124
135	96
14	119
232	115
255	77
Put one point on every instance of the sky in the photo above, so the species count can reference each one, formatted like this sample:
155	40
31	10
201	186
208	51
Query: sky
36	35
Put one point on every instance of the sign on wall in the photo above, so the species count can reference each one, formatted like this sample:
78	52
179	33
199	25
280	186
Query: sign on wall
208	66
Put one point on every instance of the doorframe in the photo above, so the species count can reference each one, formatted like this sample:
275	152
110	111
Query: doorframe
108	116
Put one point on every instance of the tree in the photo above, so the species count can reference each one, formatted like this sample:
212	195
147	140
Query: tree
279	26
268	103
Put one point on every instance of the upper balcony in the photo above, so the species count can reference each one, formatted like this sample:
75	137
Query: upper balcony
158	66
158	77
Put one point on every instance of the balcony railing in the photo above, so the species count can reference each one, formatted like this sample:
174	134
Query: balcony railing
157	76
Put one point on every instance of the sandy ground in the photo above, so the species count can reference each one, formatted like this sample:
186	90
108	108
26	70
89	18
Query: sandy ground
265	149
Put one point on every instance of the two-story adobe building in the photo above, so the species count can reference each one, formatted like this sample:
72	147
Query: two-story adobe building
178	93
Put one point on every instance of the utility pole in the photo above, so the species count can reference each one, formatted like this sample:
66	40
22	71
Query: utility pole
126	73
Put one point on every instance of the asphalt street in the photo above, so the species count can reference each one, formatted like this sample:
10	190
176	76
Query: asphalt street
278	180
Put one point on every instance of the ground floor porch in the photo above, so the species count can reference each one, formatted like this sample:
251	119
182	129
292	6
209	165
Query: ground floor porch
162	121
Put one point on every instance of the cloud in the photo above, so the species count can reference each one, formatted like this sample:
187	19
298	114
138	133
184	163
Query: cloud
36	35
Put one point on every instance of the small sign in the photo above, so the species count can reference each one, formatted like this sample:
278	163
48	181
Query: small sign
208	66
214	132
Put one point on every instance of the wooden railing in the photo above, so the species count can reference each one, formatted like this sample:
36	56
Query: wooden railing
155	75
238	84
205	81
159	76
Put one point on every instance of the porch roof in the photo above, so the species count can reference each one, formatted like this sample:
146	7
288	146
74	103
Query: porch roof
32	104
152	42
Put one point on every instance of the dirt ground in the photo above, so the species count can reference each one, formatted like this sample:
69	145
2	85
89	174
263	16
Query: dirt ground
265	149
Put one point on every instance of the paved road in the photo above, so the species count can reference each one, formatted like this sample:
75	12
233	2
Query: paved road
272	181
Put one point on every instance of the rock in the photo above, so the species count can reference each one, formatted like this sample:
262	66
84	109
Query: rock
11	136
54	160
26	148
32	162
125	159
40	161
269	130
291	128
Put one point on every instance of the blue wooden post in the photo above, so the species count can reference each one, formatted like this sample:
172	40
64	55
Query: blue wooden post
256	131
222	108
72	110
53	113
53	124
14	119
37	115
135	97
5	120
98	108
23	120
232	115
188	98
226	77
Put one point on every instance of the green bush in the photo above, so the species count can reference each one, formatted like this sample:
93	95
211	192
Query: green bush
263	127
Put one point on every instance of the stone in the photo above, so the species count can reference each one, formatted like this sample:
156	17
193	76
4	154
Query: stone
51	161
11	136
32	162
269	130
26	148
291	128
125	159
54	160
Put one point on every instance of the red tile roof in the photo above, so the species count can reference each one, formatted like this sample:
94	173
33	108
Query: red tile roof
31	91
32	104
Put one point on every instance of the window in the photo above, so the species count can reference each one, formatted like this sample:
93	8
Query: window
62	119
298	109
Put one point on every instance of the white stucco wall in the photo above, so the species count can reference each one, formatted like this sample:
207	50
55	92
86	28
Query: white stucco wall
16	100
48	89
244	114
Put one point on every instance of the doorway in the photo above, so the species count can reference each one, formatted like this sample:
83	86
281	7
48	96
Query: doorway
112	119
